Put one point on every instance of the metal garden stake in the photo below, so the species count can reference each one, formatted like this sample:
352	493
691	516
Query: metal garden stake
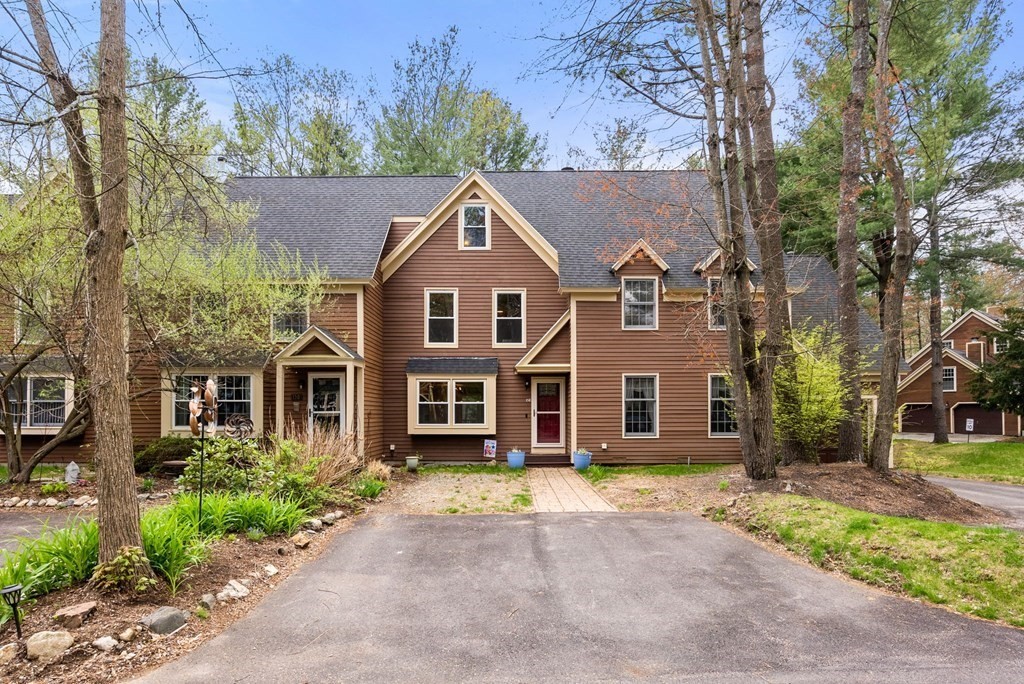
202	409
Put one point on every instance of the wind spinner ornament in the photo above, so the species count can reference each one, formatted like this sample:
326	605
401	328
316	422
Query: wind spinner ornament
202	414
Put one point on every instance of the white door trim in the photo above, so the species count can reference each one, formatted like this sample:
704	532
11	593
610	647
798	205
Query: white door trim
342	404
560	446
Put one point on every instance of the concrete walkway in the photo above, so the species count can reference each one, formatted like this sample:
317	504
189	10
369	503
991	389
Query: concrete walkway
562	490
1004	497
592	597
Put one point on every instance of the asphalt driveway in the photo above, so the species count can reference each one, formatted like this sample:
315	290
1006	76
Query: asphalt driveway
585	597
18	523
1004	497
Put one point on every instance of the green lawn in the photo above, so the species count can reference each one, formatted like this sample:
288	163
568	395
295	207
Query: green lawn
597	473
39	472
995	461
973	570
474	469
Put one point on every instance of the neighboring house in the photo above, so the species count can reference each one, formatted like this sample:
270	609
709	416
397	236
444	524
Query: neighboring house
546	310
965	349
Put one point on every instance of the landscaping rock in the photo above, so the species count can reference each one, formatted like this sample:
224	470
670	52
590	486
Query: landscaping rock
285	550
127	635
83	500
241	588
48	646
233	590
165	620
301	540
49	502
66	504
208	601
338	515
8	653
330	516
32	502
327	521
270	569
23	502
314	524
105	643
8	503
72	617
143	497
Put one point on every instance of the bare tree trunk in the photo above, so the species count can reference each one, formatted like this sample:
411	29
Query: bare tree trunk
752	394
851	438
941	434
106	356
904	246
74	426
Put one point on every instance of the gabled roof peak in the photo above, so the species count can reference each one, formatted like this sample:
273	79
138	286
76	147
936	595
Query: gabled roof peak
643	249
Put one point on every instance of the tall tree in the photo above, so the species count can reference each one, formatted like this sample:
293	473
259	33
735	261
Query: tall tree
435	120
291	120
705	61
851	439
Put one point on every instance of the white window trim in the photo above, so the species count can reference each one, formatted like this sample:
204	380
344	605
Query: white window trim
167	377
426	318
711	318
69	405
277	339
999	349
494	318
944	369
462	225
657	404
712	435
622	312
452	428
947	344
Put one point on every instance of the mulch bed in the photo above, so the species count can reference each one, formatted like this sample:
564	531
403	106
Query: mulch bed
236	558
848	484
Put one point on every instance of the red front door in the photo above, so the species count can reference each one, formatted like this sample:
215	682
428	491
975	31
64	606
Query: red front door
548	412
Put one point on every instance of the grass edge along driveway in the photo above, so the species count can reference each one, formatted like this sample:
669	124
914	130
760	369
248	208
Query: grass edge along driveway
989	461
974	570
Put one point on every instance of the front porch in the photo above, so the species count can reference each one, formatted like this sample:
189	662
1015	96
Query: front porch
318	382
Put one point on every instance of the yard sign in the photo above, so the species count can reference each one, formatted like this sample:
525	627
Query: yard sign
970	425
490	448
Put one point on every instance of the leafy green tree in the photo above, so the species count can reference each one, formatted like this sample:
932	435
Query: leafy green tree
999	385
812	420
435	121
294	121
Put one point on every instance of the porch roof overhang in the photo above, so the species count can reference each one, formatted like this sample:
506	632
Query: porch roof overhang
528	364
339	353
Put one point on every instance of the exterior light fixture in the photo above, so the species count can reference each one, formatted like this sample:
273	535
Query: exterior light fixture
12	597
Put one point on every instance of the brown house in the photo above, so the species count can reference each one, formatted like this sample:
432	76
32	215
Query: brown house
965	349
547	310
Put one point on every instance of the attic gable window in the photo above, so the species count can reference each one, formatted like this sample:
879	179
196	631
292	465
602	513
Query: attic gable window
474	227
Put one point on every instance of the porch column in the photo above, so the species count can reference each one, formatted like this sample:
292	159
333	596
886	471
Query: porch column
350	396
279	400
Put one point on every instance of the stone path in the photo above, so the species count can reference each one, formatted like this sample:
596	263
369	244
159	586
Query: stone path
562	490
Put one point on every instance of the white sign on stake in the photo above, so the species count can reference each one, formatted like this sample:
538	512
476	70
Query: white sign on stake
970	425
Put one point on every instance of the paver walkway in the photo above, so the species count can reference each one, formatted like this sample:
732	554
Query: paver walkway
562	490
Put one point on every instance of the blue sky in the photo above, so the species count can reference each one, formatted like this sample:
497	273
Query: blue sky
364	38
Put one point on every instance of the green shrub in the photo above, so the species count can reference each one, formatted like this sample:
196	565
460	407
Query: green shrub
282	473
150	457
148	484
125	572
240	513
369	487
51	488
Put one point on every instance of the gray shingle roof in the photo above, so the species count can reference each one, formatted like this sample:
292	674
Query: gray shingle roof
456	365
818	304
342	221
591	217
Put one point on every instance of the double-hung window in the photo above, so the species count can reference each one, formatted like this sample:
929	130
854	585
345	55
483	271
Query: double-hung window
949	379
290	321
721	407
947	344
640	406
441	308
999	346
510	318
433	403
234	396
716	306
474	227
639	303
39	402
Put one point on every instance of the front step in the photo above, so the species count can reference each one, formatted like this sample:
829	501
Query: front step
548	461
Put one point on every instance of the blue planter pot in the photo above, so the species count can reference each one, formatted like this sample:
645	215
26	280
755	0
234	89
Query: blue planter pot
516	459
581	461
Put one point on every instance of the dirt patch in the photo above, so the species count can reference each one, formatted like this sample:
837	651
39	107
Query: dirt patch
230	558
848	484
431	493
